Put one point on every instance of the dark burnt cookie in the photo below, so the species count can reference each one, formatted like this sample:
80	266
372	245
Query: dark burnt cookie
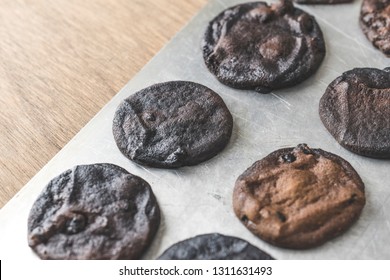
356	111
322	1
97	211
172	124
263	47
214	247
375	23
299	197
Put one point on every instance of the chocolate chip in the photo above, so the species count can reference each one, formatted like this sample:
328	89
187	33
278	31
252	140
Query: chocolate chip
289	158
280	216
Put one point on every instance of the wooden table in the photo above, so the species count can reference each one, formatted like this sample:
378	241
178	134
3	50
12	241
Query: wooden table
61	61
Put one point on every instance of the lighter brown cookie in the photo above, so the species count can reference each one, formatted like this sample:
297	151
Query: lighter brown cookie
299	197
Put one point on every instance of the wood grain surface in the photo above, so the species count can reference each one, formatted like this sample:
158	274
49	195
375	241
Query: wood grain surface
61	61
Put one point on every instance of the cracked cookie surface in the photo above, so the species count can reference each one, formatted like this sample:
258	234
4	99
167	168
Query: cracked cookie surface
314	2
355	109
375	23
97	211
263	47
172	124
299	197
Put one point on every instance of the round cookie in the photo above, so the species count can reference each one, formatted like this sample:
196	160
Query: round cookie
97	211
375	23
322	1
356	111
263	47
299	197
172	124
214	247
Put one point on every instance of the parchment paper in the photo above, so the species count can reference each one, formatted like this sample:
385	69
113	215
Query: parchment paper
198	199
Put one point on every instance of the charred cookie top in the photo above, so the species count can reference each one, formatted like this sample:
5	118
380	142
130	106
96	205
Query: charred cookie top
356	111
97	211
375	23
299	197
263	47
214	247
172	124
322	1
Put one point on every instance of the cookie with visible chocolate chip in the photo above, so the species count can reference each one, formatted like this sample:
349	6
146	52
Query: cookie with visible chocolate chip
172	124
355	109
299	197
263	47
375	23
97	211
214	246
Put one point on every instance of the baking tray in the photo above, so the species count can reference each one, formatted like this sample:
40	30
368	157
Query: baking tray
198	199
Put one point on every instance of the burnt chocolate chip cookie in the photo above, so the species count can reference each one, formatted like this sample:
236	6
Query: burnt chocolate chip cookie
172	124
322	1
263	47
299	197
97	211
214	247
356	111
375	23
